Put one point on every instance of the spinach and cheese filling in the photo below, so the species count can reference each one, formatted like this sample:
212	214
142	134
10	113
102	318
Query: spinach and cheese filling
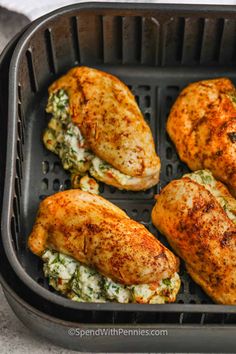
64	138
82	283
206	179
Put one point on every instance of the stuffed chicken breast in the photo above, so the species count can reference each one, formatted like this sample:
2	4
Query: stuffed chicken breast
197	214
94	252
98	128
202	125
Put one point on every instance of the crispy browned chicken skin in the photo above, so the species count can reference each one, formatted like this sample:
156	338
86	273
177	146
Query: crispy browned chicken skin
202	234
110	120
202	124
97	233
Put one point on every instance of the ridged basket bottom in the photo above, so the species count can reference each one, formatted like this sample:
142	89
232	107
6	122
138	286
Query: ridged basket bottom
155	90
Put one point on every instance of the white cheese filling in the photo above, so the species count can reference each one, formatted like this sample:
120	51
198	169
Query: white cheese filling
65	139
84	284
99	168
206	179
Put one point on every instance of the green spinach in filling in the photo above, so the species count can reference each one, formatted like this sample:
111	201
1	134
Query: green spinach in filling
64	138
82	283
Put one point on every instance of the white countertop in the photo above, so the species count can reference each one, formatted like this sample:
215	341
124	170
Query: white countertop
15	338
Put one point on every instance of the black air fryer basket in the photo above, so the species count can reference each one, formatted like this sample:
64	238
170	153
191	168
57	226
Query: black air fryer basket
156	50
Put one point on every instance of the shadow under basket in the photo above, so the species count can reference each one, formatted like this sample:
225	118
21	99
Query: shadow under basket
156	50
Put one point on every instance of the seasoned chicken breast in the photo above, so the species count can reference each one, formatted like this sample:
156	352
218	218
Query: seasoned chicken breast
202	125
108	136
98	234
197	214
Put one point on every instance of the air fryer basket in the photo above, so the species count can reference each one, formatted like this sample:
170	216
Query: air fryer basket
156	50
